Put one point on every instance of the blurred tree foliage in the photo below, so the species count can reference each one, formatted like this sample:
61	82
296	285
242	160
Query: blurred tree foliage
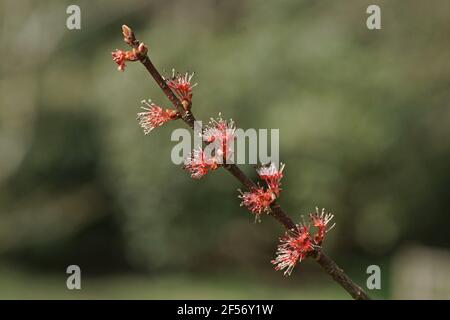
364	122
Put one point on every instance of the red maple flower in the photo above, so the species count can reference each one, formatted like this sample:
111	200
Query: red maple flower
199	164
222	134
272	176
181	85
154	116
257	201
120	56
298	243
320	219
294	246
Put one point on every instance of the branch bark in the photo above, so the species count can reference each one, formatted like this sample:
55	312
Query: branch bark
340	277
277	212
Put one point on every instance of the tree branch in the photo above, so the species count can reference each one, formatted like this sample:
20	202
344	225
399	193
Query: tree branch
340	277
187	116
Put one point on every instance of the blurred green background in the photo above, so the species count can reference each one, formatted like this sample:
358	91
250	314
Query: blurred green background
364	123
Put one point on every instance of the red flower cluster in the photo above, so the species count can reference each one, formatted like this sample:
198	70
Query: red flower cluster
258	200
181	85
320	221
272	176
154	116
120	56
220	133
298	243
294	246
199	164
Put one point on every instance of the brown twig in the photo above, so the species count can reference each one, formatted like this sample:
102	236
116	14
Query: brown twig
187	116
340	277
276	211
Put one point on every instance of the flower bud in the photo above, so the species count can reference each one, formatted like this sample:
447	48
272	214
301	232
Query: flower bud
142	49
127	32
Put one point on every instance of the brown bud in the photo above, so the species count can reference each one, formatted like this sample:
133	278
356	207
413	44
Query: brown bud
128	35
127	32
186	105
142	49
